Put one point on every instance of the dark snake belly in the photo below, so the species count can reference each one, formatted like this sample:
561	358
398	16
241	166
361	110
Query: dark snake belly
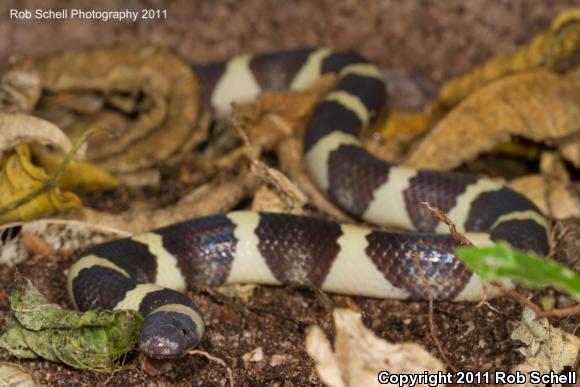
145	272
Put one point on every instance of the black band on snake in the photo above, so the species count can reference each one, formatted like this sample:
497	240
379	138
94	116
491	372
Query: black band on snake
146	271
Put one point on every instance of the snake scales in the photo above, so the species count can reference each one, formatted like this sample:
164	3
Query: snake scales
146	271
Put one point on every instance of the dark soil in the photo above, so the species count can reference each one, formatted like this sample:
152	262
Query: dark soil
435	39
275	319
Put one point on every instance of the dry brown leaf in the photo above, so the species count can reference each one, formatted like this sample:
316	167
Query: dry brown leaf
553	198
220	197
552	191
539	105
19	91
289	197
267	200
12	375
139	80
549	49
276	114
55	233
546	348
145	178
18	128
551	164
359	355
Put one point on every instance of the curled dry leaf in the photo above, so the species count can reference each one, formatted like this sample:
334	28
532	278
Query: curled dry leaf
267	200
222	197
54	233
550	49
285	196
552	191
276	114
79	174
540	106
546	348
359	355
139	80
19	128
552	197
19	91
18	178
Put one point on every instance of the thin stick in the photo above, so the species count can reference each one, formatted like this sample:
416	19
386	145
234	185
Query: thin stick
217	360
514	295
452	229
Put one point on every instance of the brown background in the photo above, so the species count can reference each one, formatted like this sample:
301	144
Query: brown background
433	38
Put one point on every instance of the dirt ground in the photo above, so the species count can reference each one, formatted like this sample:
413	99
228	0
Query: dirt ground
433	39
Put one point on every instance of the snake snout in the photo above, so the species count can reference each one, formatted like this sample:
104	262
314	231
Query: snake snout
168	334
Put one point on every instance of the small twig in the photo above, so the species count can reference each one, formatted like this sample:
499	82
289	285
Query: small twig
52	182
217	360
452	229
247	144
562	312
520	298
293	197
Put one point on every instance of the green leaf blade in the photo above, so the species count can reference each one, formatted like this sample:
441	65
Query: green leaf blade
501	262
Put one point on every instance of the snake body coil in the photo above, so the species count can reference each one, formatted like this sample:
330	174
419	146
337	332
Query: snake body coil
145	272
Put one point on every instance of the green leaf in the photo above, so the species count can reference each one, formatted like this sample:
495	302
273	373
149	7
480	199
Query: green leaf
501	262
84	340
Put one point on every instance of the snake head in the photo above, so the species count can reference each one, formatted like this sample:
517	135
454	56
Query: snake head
169	334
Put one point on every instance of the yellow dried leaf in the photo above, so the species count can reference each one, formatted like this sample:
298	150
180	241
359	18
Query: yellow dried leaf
546	50
539	105
79	175
517	149
402	125
18	177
